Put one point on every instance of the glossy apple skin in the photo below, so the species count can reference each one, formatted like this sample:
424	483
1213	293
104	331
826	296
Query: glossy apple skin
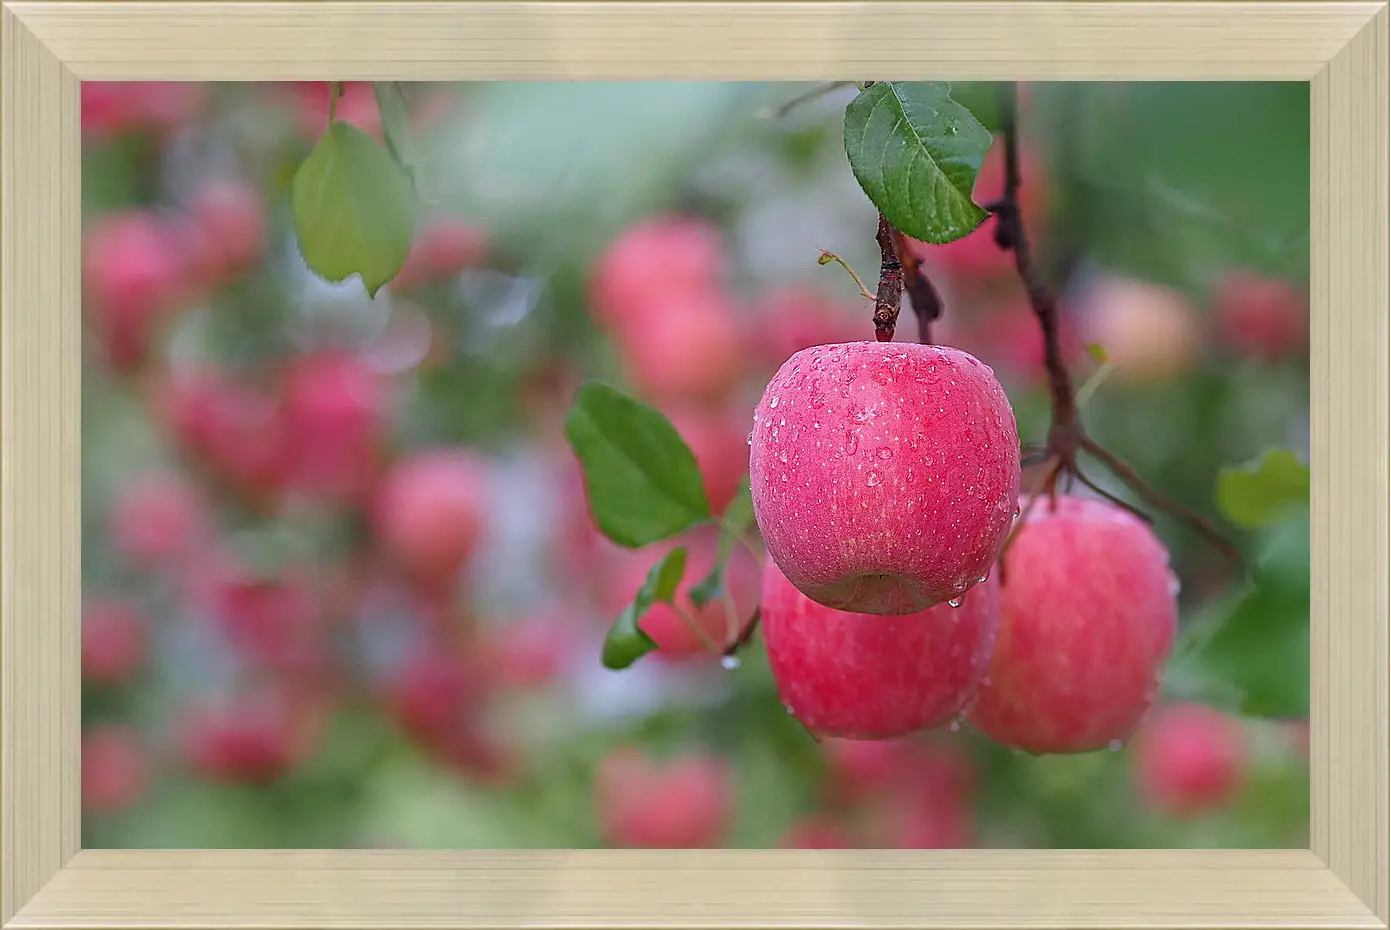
873	677
885	476
1088	614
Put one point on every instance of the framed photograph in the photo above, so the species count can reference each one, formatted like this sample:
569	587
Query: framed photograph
695	464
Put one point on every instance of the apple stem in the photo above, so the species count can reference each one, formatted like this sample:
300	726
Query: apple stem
1066	438
888	300
745	634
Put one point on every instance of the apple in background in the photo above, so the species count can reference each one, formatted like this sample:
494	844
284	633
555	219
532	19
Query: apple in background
227	220
719	441
134	273
115	769
1087	621
274	622
528	653
1149	332
885	476
673	635
110	108
1188	759
919	822
357	106
1261	317
863	768
434	694
875	677
440	249
1299	738
334	411
797	318
682	803
654	258
685	347
254	740
157	520
430	513
113	640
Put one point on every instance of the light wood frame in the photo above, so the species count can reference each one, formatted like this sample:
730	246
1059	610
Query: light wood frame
49	47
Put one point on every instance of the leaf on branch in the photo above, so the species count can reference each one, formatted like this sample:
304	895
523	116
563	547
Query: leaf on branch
736	518
916	153
625	642
354	210
396	128
639	475
1263	490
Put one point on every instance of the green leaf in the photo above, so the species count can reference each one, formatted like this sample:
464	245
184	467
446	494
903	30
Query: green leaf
982	98
916	153
1257	655
1097	353
396	128
1264	490
736	518
354	210
640	476
625	642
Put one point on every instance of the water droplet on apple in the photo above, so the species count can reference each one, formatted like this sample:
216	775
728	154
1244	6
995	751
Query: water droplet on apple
1115	745
816	424
956	601
1175	586
774	403
750	439
730	662
885	453
851	444
782	457
873	479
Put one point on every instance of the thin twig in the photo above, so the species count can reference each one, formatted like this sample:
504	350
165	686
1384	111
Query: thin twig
827	258
808	96
745	635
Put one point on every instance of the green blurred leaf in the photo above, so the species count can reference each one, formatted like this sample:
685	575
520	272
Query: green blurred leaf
1263	490
1097	353
625	642
1259	648
735	520
640	476
396	128
916	153
354	210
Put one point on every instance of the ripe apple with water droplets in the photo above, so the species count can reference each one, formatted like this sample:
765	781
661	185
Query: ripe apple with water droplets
873	677
1088	613
885	476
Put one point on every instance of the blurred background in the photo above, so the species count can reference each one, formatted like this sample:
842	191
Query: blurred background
341	586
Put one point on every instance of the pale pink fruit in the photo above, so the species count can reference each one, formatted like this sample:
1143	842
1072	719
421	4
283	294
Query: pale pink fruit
682	803
1188	759
430	512
1087	620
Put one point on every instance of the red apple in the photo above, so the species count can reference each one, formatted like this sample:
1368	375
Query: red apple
115	769
1188	759
884	475
113	640
113	107
798	318
865	676
334	411
1265	318
158	519
686	347
528	653
134	274
440	250
682	803
274	622
430	513
651	259
433	695
254	740
1087	620
228	226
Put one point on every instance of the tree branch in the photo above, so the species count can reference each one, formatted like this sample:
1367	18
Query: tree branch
927	302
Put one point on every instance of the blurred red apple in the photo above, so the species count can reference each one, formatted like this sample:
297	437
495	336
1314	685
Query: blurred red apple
158	519
686	347
113	640
334	412
1262	317
228	226
1188	759
1149	332
682	803
134	273
430	512
650	260
440	250
115	769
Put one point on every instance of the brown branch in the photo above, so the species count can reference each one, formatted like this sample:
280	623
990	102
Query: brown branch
1066	438
1196	522
927	303
745	634
888	300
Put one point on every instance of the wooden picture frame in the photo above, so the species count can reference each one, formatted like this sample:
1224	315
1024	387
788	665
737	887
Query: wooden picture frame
50	47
